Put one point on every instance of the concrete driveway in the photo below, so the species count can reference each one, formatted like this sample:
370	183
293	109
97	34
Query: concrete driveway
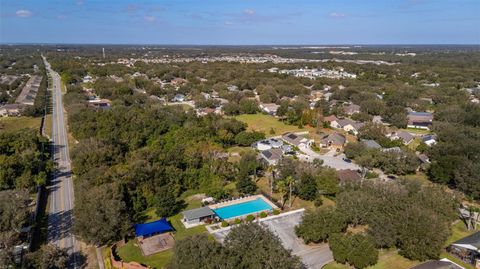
312	256
329	159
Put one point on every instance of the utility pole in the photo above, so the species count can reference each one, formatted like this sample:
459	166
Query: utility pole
103	53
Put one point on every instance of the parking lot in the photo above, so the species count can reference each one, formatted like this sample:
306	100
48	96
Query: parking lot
312	256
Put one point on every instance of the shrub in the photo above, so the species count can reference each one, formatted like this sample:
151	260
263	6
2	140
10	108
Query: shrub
276	212
371	174
238	221
225	224
250	218
263	214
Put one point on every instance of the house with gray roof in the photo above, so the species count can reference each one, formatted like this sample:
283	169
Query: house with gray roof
441	264
334	140
297	140
406	137
196	216
271	156
467	249
371	144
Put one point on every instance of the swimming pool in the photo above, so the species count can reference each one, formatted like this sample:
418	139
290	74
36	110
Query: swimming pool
240	209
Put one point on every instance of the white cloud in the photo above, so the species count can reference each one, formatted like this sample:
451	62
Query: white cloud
337	15
149	18
23	13
249	11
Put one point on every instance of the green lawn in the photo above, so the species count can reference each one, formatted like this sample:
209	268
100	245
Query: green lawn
17	123
417	131
264	123
131	252
387	259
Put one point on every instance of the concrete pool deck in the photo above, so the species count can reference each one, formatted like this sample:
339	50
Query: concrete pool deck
243	200
313	256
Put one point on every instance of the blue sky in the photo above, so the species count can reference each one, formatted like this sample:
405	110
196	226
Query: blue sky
241	22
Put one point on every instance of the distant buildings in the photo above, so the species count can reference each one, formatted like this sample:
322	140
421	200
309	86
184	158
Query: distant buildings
270	108
10	110
299	141
351	109
419	120
333	141
314	73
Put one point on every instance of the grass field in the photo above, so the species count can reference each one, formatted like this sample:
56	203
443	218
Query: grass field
131	252
417	131
264	123
48	125
387	259
391	259
17	123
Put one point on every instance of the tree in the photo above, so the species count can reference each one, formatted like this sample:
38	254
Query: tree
317	226
197	252
327	182
166	203
248	138
48	257
100	214
282	188
306	188
254	246
356	249
245	185
290	182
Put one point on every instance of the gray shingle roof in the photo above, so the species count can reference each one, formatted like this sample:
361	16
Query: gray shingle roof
436	265
473	240
197	213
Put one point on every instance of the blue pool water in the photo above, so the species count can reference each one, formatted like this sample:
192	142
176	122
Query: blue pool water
241	209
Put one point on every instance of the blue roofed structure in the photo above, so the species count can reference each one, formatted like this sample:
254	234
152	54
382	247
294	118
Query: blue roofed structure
152	228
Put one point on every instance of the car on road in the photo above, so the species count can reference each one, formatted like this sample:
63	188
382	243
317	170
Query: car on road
347	160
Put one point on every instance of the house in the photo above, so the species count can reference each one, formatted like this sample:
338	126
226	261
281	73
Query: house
232	88
316	95
353	127
178	81
351	109
271	156
10	110
100	103
340	123
270	108
348	175
467	249
377	119
406	137
178	98
330	119
267	144
196	216
370	144
297	140
441	264
394	149
87	79
419	120
334	141
205	111
429	140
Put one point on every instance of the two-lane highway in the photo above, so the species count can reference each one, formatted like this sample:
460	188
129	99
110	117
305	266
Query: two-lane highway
60	211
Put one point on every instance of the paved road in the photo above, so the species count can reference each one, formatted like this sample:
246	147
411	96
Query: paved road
60	215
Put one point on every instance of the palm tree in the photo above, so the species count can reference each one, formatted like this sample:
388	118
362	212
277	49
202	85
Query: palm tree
282	188
290	183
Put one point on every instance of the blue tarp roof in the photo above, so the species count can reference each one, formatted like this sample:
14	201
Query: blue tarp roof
158	226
